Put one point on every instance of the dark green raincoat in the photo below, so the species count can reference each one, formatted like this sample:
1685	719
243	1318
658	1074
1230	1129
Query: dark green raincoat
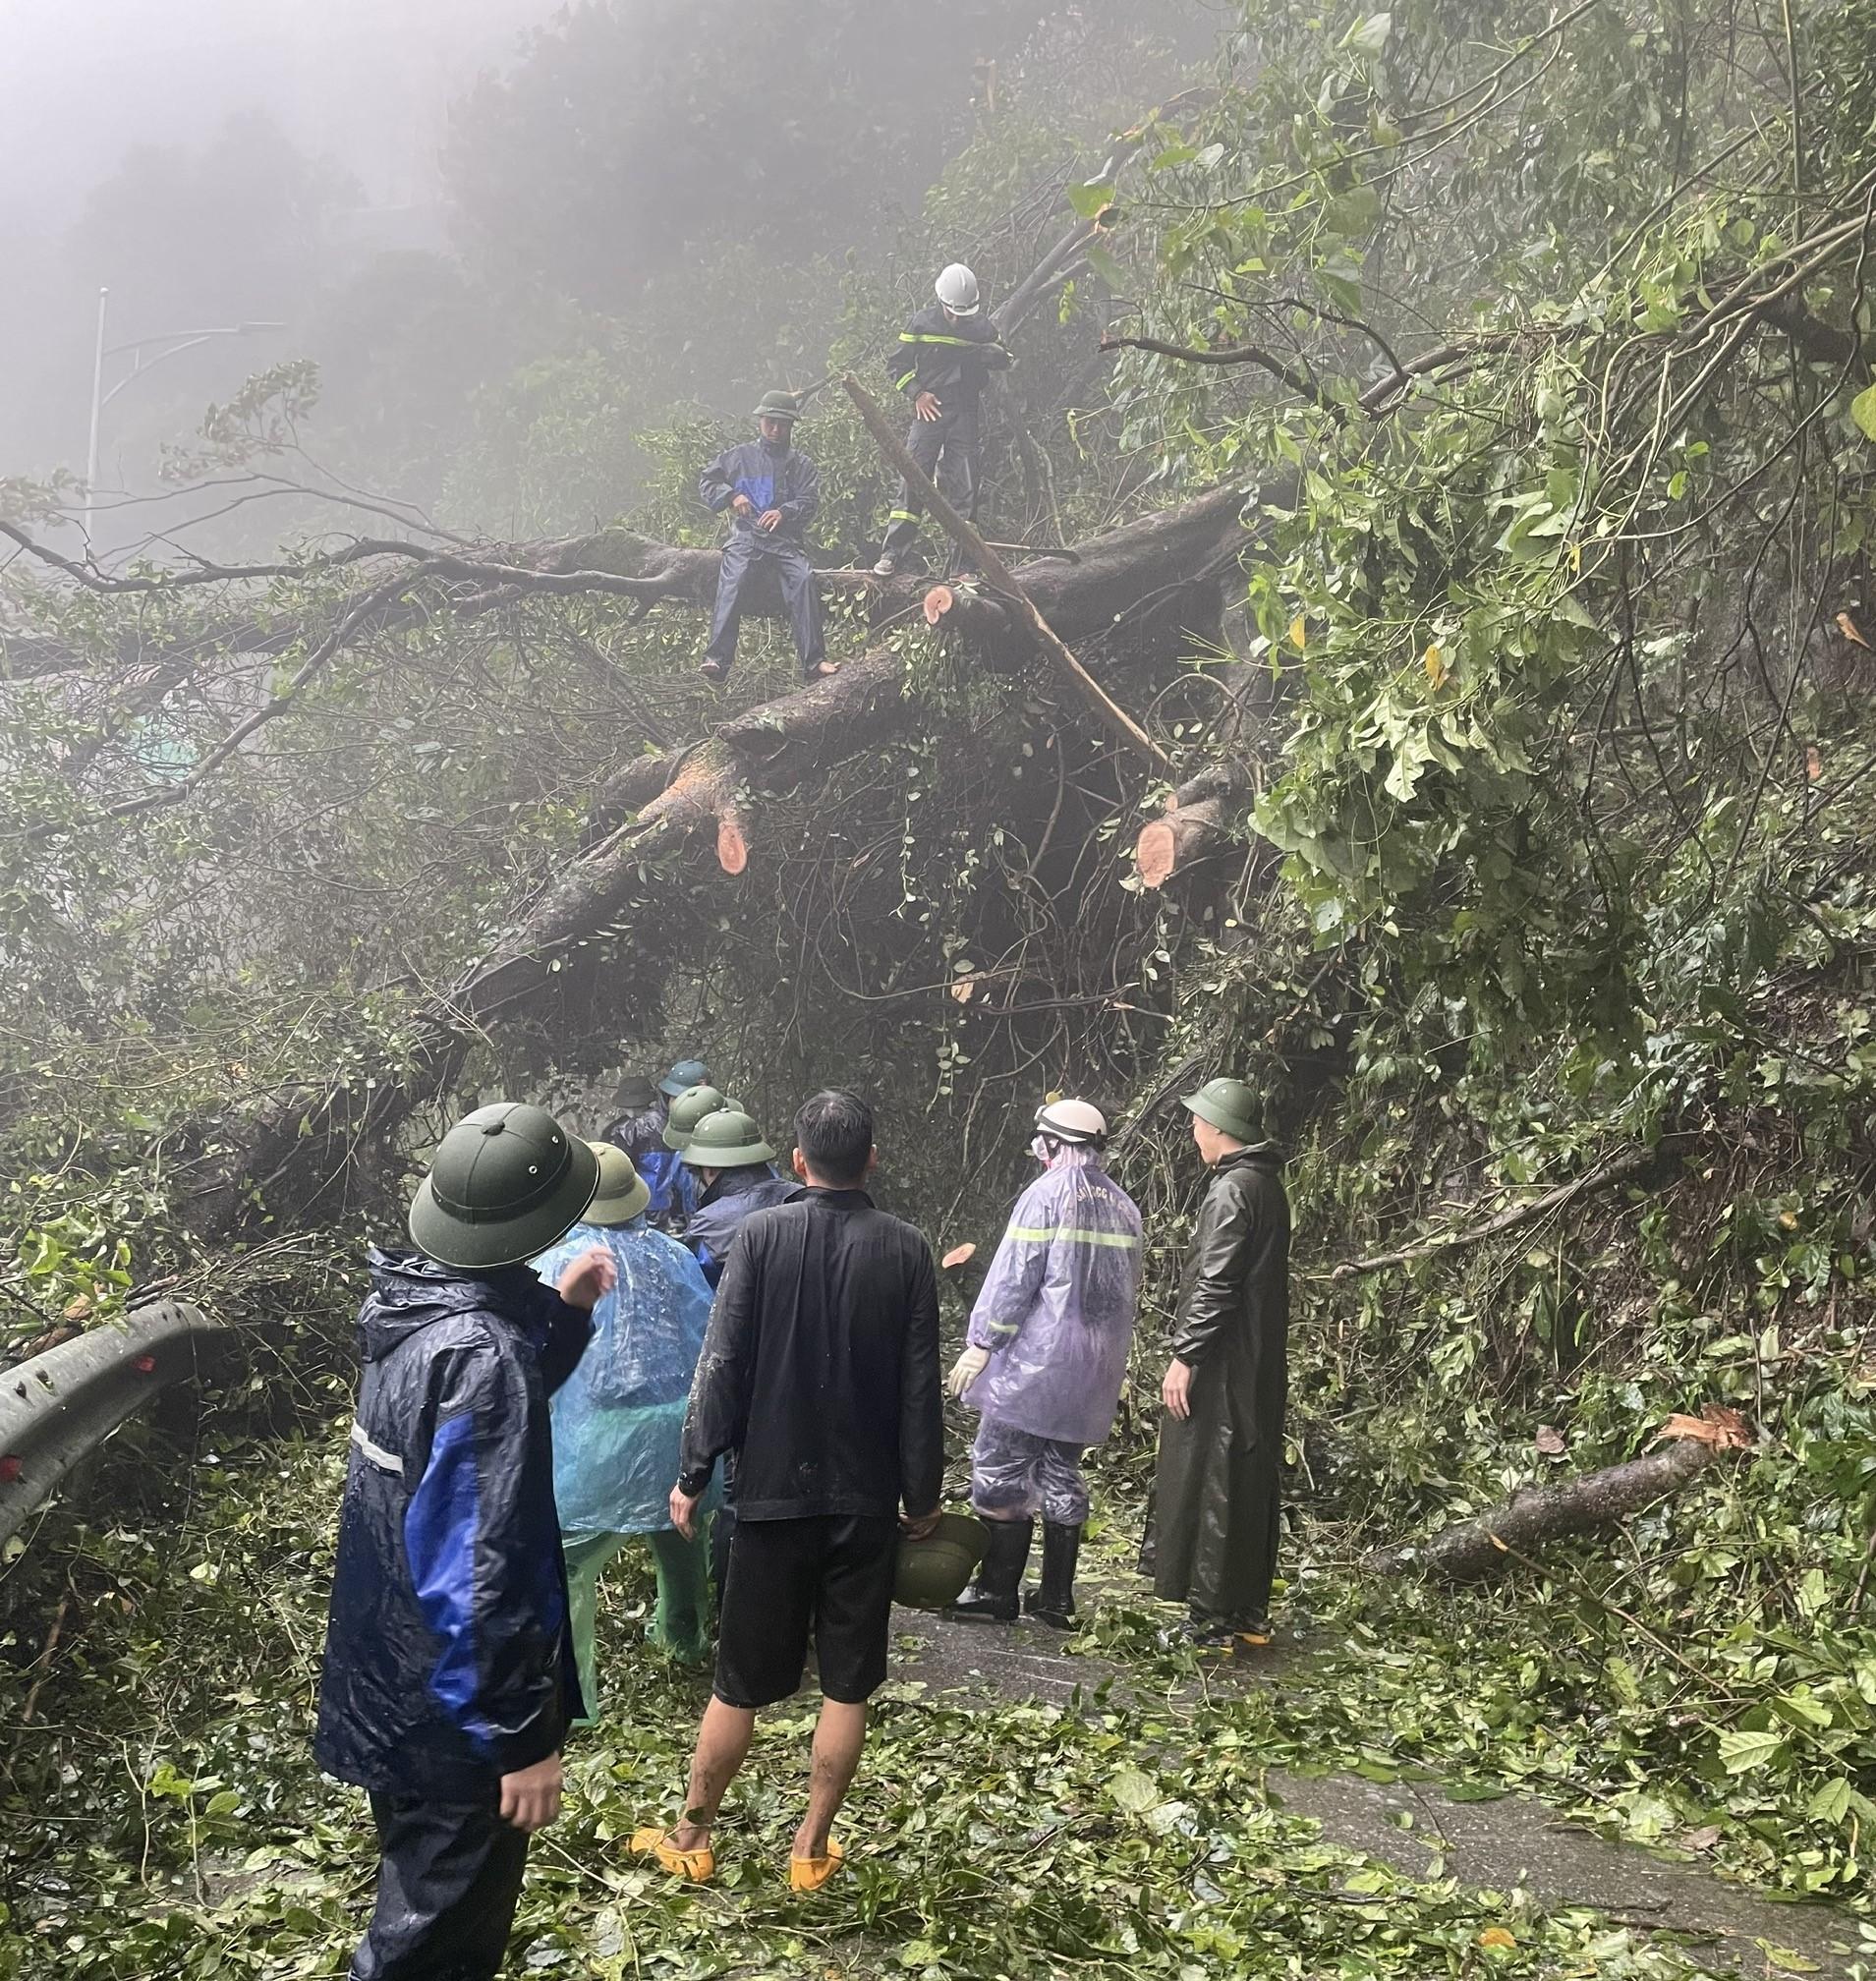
1217	1499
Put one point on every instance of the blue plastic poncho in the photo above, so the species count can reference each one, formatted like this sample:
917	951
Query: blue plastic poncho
619	1417
1057	1307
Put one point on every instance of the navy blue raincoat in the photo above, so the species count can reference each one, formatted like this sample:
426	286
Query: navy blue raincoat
447	1658
736	1194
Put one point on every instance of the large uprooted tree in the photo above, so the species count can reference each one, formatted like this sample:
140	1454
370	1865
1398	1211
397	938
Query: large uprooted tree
1447	439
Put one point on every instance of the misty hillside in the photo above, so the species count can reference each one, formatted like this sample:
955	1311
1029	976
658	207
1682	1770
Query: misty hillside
1423	669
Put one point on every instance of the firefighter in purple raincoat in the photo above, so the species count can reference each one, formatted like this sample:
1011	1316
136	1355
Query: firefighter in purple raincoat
1046	1356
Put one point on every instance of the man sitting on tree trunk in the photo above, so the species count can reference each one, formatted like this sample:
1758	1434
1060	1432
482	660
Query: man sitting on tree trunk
1217	1494
772	492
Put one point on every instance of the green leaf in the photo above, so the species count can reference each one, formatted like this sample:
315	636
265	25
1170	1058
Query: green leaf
1863	408
1088	199
1369	36
1134	1792
1831	1803
1740	1750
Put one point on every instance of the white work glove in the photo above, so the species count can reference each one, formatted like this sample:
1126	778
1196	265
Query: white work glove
967	1369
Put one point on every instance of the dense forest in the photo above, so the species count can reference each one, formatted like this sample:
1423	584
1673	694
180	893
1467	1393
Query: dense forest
1441	449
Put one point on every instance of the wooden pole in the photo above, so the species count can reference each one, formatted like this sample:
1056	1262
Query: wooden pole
996	574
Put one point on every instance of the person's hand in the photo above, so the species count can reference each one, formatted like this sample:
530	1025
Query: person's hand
916	1526
530	1797
967	1369
1176	1392
588	1278
768	519
684	1511
928	405
741	504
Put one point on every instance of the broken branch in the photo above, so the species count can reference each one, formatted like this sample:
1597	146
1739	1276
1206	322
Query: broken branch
997	575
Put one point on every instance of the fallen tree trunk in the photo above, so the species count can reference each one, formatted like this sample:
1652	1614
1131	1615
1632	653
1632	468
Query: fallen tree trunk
660	804
1474	1549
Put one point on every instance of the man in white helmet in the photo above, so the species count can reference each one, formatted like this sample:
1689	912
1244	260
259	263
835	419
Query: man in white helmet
943	356
1046	1356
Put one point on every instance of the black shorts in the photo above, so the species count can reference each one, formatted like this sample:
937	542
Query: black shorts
832	1575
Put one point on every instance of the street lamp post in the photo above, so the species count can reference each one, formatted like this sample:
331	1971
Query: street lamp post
178	341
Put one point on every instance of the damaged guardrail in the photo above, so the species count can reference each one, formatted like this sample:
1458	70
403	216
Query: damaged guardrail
59	1407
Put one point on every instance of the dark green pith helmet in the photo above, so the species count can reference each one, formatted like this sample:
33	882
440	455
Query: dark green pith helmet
622	1192
685	1073
727	1139
687	1110
505	1183
932	1572
635	1094
778	406
1230	1106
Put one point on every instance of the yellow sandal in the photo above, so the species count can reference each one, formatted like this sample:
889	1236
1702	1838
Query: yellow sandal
699	1866
810	1874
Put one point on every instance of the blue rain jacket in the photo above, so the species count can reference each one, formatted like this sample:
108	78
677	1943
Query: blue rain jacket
772	477
672	1186
447	1658
719	1216
1057	1306
619	1416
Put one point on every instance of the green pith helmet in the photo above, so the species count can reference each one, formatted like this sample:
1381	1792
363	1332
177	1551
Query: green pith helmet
1230	1106
778	406
505	1183
932	1573
727	1139
684	1074
635	1094
622	1193
687	1110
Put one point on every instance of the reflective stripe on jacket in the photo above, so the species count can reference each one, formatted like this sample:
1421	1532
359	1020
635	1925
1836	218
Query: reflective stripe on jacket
949	356
1056	1310
447	1660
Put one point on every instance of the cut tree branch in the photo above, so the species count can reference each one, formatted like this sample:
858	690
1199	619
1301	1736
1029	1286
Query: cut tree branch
1474	1549
996	574
1233	354
1630	1163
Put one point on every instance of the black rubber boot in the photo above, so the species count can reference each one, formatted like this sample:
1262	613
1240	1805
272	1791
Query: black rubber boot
1053	1601
992	1598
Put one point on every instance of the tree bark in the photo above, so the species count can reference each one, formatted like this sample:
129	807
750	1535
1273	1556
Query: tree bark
1474	1549
1193	827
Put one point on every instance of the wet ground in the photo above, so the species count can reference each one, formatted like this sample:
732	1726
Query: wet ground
1510	1844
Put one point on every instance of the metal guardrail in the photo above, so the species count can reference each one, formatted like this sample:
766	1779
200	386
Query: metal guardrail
60	1407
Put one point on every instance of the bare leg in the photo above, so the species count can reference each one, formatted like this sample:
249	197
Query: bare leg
722	1746
838	1739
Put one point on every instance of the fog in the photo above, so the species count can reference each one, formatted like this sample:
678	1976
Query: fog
364	85
368	82
500	239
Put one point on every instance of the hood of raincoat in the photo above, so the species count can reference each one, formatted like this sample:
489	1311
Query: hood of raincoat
618	1418
1057	1306
409	1292
735	1197
447	1660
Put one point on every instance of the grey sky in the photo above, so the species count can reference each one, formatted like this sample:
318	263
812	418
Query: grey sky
366	81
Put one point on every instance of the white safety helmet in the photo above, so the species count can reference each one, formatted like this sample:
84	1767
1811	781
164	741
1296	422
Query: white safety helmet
1072	1121
956	289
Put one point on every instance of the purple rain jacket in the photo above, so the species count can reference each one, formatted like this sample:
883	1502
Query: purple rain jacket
1057	1306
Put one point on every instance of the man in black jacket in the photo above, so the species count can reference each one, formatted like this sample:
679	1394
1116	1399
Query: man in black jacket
944	354
1218	1487
449	1679
827	1314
